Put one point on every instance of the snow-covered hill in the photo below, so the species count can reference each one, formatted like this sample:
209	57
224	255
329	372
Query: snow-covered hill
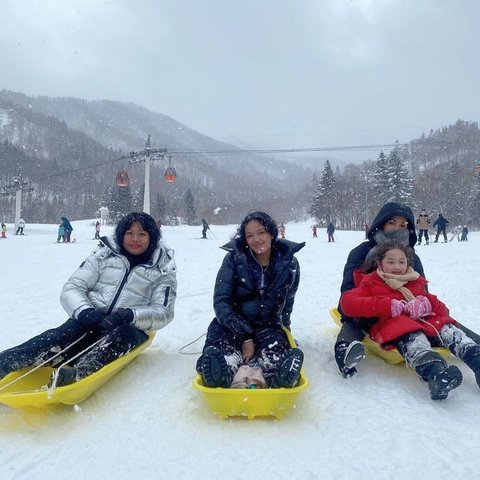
148	422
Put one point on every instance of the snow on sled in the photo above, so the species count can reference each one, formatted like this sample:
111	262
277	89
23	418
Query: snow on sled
32	390
251	403
391	355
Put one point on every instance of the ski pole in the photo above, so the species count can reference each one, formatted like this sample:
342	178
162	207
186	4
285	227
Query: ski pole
43	363
213	235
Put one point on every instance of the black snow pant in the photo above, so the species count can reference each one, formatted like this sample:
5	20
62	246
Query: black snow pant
270	345
439	232
44	346
421	234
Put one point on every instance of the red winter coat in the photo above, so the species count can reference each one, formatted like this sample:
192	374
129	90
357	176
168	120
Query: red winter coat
372	297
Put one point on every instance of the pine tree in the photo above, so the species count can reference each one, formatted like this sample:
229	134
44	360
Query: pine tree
324	196
190	208
159	207
400	184
120	202
381	182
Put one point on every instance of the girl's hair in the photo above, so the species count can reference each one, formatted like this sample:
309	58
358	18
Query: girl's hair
266	220
378	254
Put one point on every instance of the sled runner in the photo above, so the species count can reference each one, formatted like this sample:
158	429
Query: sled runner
244	402
391	355
32	390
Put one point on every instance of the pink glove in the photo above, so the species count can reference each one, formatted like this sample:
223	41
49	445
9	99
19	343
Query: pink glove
397	307
418	308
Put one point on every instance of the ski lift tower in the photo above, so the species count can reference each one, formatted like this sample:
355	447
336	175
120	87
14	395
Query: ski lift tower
147	155
17	187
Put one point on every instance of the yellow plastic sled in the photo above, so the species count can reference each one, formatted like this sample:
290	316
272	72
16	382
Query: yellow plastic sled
32	390
390	356
243	402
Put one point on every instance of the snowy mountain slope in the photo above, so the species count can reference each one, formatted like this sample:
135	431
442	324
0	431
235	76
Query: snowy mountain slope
149	422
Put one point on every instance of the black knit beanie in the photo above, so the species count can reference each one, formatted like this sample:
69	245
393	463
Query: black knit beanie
147	223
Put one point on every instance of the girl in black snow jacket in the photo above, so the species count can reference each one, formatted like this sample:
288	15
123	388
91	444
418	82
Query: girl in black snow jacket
253	299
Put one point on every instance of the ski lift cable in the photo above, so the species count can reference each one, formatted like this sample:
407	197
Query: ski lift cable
189	152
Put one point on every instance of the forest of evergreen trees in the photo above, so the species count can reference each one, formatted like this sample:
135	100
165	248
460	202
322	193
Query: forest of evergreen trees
439	172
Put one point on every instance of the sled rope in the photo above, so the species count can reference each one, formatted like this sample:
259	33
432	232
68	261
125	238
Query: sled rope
48	360
181	350
53	385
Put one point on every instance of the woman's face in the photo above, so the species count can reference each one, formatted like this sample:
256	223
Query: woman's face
258	239
136	240
395	261
394	224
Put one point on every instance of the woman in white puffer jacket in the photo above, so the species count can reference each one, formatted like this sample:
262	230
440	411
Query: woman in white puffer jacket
126	287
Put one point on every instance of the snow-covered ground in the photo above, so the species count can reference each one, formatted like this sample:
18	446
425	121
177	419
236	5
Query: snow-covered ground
148	422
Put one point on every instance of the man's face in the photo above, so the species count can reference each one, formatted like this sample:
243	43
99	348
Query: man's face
395	224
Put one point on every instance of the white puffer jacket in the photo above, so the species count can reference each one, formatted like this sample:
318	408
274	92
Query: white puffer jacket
105	282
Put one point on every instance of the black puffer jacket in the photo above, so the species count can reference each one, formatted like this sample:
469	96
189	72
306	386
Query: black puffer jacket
237	296
358	255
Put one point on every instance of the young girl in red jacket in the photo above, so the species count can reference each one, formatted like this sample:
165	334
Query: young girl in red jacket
406	315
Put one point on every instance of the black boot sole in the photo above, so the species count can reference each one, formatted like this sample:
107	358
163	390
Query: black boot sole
214	368
445	382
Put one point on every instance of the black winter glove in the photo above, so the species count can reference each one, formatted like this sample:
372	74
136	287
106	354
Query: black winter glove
240	327
90	318
119	317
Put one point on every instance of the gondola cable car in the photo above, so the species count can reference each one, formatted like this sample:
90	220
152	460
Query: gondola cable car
170	173
122	178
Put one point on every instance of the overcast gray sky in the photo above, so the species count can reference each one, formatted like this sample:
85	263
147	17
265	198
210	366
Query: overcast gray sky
284	73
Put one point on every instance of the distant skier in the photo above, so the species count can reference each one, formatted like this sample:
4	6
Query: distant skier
464	237
68	228
4	231
330	232
20	227
281	230
314	231
205	228
97	230
423	224
441	223
61	233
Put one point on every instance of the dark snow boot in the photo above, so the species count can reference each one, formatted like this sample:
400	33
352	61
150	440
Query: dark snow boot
215	369
472	358
65	376
348	356
441	379
288	373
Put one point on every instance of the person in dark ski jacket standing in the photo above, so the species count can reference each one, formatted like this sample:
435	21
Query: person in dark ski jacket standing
253	299
205	227
330	232
125	288
394	221
68	228
441	223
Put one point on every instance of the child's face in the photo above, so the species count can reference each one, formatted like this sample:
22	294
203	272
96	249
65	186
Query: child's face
395	261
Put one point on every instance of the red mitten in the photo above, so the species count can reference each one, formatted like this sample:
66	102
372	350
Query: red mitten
397	307
418	308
